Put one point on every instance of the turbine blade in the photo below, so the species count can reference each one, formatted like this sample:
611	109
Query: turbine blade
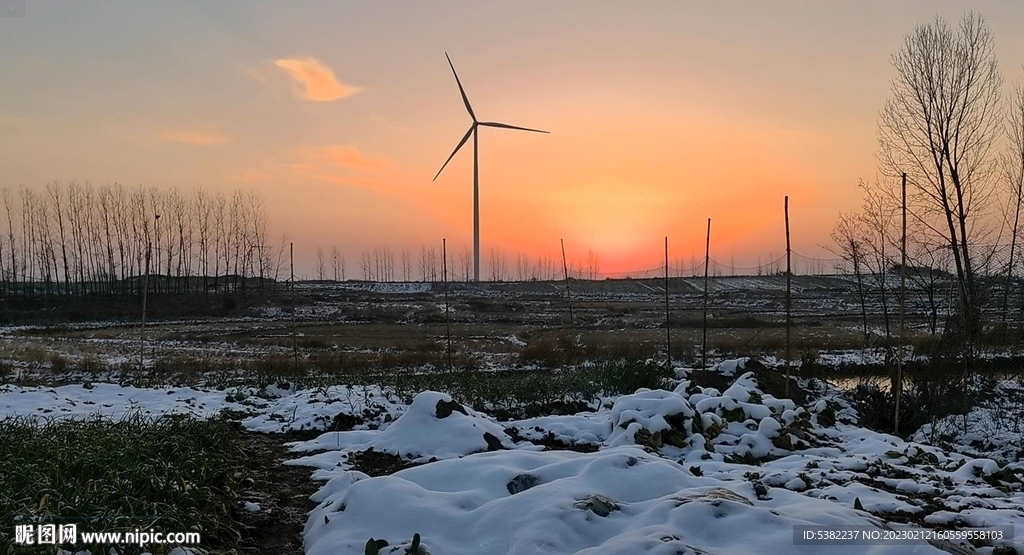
507	126
461	90
462	142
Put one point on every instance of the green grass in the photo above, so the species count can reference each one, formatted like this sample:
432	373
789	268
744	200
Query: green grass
174	474
522	393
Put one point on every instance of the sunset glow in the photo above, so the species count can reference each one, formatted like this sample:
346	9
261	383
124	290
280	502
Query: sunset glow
339	114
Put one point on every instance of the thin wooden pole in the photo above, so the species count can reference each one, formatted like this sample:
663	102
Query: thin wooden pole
295	345
447	310
145	291
668	322
707	264
903	307
789	294
568	293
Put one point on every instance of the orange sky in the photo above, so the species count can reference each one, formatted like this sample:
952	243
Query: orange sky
661	115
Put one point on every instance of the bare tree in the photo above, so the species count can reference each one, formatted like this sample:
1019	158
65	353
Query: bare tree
848	236
12	244
365	264
320	263
939	127
1012	163
522	267
878	217
336	262
928	274
466	262
495	265
56	192
406	265
432	263
593	264
204	212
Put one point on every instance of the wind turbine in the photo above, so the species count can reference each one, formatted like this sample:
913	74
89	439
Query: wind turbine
476	166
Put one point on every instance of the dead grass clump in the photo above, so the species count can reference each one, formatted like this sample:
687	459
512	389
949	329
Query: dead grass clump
548	351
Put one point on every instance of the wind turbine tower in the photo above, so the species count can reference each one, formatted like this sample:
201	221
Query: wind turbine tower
476	165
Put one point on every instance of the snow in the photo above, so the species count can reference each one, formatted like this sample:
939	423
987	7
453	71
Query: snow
463	506
688	470
421	434
272	409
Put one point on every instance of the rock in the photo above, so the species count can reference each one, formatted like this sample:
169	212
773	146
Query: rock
344	422
760	490
597	504
521	482
783	441
493	443
646	439
445	409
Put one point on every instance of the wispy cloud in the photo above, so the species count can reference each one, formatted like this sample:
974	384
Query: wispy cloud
347	165
314	80
203	135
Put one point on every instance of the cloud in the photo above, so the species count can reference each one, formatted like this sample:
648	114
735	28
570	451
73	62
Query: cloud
315	80
204	135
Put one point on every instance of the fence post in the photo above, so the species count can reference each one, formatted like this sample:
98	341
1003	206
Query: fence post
903	305
707	264
668	322
789	293
568	293
145	292
295	345
447	323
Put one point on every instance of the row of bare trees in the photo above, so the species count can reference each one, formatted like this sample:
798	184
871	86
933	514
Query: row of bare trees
381	264
949	129
81	239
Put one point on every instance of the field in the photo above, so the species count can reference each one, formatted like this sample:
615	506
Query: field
355	325
317	419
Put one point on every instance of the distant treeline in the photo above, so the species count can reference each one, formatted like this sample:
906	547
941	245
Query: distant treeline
79	239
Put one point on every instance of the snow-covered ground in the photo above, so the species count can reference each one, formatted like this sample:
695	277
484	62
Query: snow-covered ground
681	470
994	427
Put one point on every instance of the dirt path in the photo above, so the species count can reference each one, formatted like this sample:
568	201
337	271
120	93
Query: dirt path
282	493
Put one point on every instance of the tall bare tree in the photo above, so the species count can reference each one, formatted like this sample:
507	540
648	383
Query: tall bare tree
594	264
466	262
336	262
1012	163
406	265
939	127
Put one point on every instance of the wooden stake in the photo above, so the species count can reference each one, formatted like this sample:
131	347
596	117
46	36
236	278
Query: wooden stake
903	306
295	345
145	291
447	323
789	293
668	323
707	264
568	293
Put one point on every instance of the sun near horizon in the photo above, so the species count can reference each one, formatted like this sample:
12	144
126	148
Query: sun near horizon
339	116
